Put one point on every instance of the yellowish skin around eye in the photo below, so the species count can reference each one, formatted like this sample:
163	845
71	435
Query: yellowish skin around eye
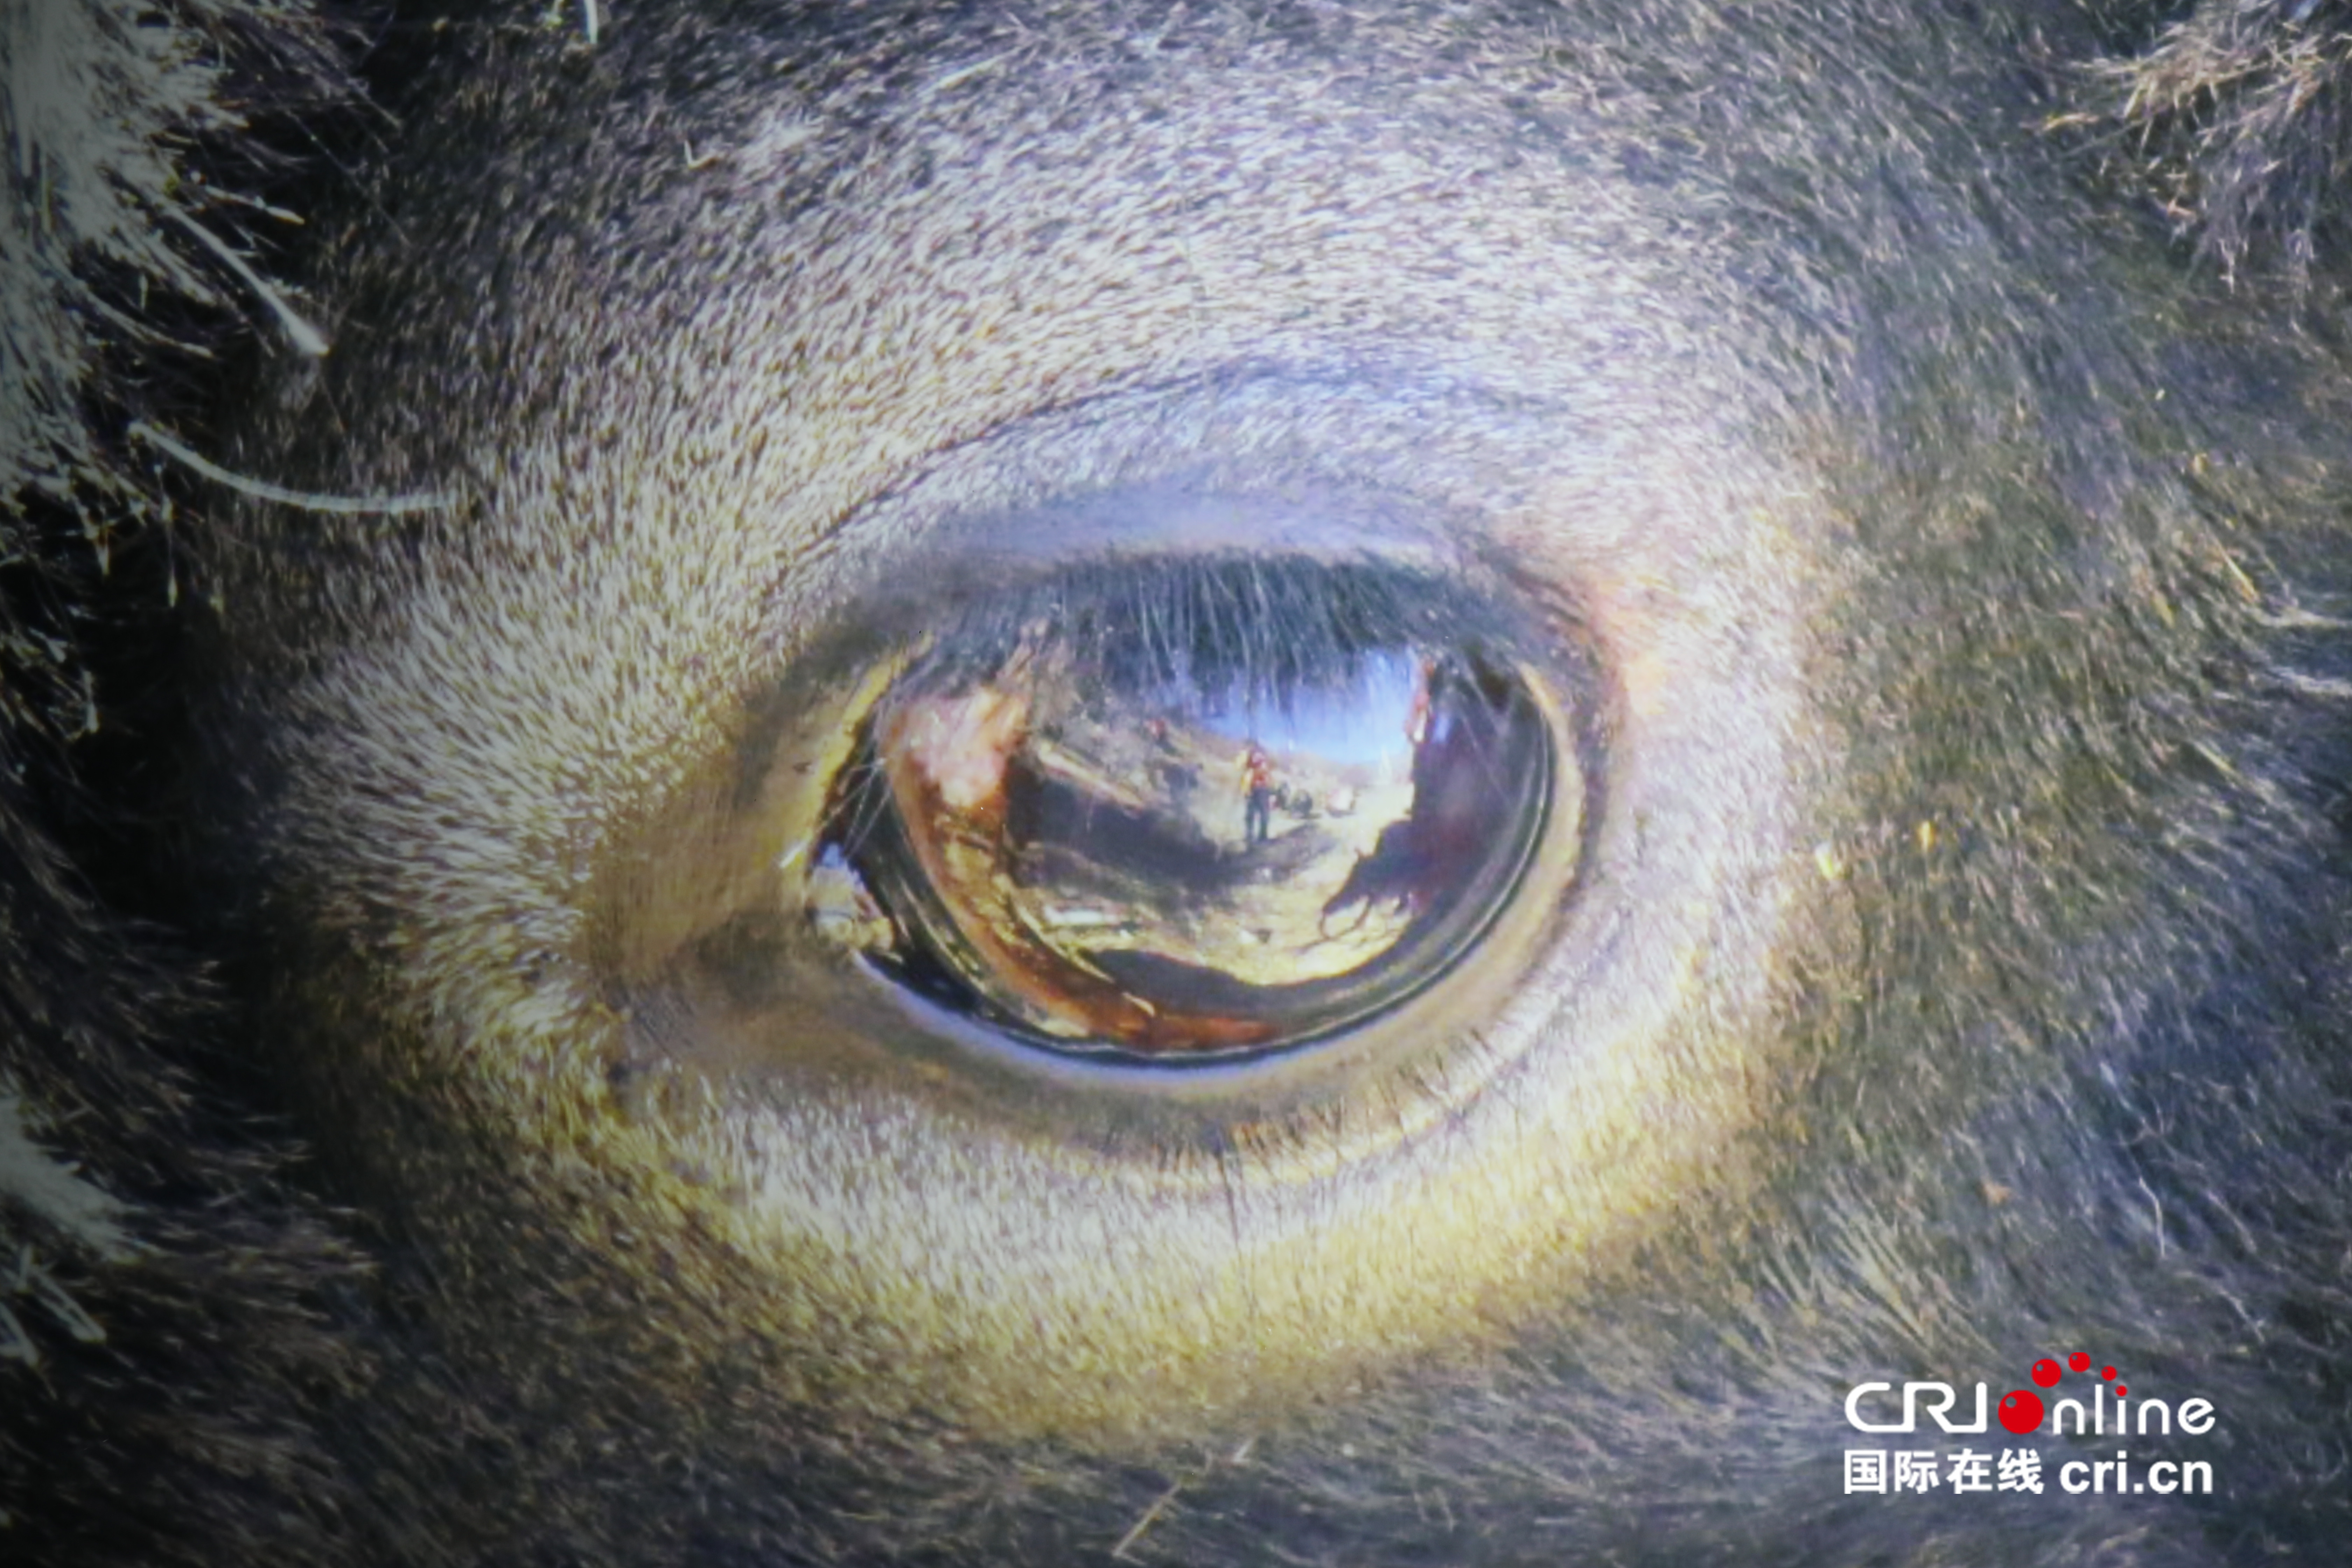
532	762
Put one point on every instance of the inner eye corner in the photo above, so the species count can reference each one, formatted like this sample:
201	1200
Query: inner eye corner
1187	816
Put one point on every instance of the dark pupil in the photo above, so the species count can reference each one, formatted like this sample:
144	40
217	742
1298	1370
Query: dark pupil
1103	856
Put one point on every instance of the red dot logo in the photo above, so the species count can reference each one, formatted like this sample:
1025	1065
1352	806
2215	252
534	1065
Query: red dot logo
2109	1373
2021	1409
2045	1373
2080	1360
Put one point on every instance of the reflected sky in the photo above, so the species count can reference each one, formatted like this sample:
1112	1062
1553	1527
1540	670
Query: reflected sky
1358	723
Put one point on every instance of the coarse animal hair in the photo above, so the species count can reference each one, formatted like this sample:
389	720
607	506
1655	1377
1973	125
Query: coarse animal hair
2067	1005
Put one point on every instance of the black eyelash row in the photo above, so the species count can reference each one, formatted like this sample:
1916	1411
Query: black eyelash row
1267	634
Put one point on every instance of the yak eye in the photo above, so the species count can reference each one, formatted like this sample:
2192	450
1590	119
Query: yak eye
1221	812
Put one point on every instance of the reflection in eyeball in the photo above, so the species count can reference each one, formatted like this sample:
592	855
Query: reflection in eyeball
1111	846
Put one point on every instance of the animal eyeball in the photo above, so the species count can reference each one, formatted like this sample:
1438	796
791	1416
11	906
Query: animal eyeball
1107	849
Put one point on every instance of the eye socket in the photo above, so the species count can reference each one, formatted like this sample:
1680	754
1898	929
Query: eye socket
1176	817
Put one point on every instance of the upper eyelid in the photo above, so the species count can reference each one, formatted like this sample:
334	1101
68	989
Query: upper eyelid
1335	462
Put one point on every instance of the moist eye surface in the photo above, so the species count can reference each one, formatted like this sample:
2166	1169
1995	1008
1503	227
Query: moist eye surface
1176	814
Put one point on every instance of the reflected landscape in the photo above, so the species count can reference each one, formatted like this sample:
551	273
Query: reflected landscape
1104	854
